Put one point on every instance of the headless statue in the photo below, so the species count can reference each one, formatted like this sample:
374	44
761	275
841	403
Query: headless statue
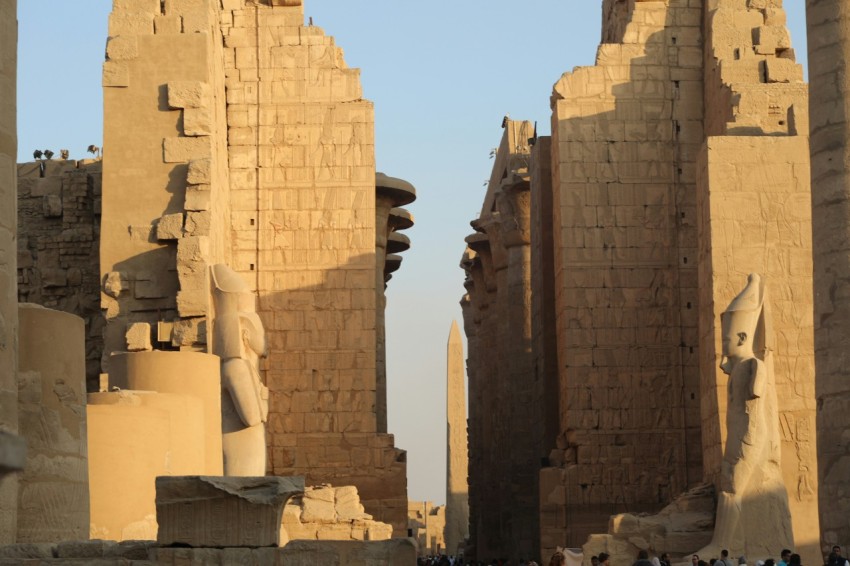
239	339
752	510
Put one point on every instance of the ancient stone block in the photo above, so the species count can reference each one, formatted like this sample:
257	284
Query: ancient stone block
183	150
52	206
198	223
114	283
197	122
116	74
222	512
318	505
200	172
188	94
198	197
168	25
139	337
783	71
122	48
170	227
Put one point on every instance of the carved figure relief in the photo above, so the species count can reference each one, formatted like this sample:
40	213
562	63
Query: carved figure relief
239	339
753	517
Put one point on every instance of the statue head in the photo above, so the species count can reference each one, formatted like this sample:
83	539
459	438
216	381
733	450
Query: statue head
238	329
740	321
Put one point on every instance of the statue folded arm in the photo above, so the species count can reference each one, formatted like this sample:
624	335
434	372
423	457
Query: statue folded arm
237	379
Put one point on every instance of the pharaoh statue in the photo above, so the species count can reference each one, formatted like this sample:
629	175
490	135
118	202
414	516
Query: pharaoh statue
753	517
240	341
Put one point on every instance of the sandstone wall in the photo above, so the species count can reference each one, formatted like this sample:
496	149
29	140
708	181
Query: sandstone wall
255	149
302	170
59	245
626	134
829	51
8	260
754	217
165	217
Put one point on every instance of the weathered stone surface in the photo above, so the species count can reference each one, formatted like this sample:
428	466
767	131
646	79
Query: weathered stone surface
8	256
53	502
170	227
221	512
13	453
188	94
139	337
829	48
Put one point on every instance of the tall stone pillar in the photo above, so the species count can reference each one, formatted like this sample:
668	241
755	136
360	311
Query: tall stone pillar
829	104
457	461
11	449
389	193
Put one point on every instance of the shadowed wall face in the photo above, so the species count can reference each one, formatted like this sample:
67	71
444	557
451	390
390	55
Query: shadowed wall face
8	259
829	52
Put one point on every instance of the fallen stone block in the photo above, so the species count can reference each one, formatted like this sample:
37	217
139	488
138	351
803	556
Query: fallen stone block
207	511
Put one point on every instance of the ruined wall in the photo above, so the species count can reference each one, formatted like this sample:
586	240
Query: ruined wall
427	522
829	52
59	245
626	134
302	169
754	217
8	269
164	217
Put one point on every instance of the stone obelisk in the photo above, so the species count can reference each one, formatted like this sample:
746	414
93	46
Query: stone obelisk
829	103
457	461
11	449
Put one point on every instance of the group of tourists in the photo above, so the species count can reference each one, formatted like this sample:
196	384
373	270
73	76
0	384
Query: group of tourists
786	558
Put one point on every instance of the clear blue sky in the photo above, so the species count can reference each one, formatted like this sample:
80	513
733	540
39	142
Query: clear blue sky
442	75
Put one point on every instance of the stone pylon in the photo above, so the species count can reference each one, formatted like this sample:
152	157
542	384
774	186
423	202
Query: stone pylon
829	51
457	461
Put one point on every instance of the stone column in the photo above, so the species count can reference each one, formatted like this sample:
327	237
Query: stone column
10	445
514	206
829	104
457	462
389	193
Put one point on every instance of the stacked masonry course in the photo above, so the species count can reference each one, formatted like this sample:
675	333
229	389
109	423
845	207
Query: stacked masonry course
678	166
252	146
59	245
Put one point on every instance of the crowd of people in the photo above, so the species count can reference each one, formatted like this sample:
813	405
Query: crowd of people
786	558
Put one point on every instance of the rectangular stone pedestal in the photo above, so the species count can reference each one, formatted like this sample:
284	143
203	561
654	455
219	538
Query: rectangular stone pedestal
218	512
